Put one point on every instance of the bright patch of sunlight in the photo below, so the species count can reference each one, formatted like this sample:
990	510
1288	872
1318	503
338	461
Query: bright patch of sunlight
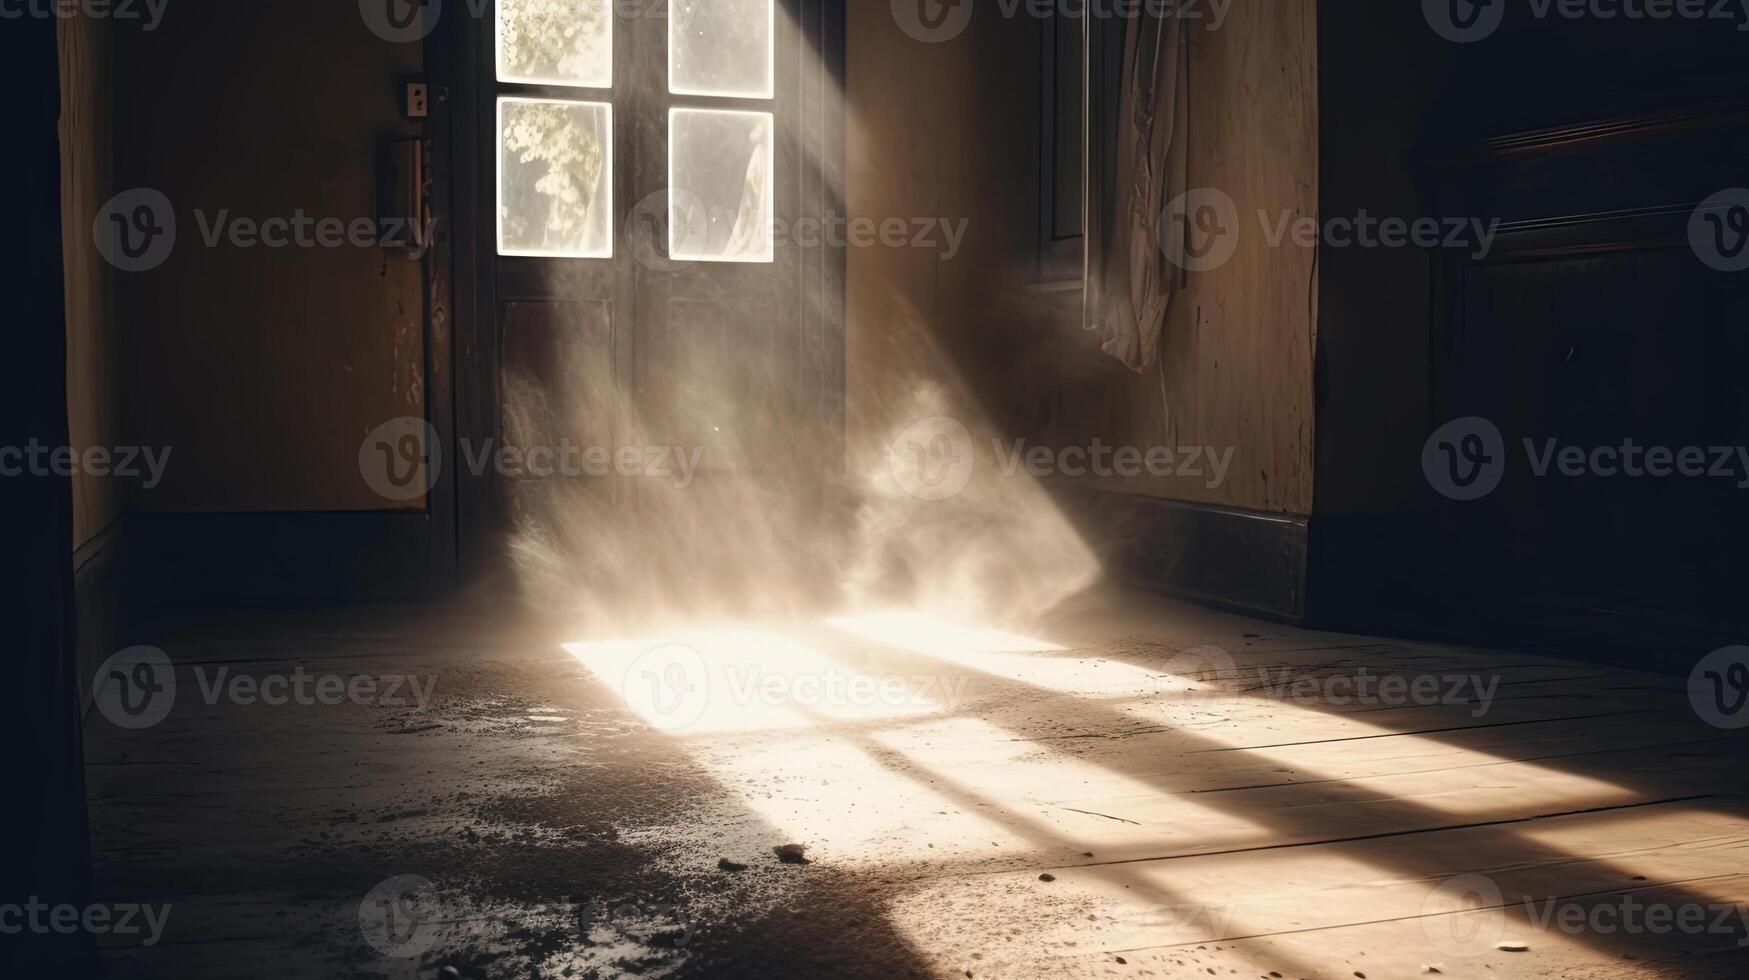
849	806
933	635
743	679
1428	771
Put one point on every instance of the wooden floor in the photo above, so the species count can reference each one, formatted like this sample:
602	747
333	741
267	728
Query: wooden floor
1130	788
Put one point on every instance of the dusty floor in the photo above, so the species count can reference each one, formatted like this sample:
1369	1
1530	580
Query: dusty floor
1133	788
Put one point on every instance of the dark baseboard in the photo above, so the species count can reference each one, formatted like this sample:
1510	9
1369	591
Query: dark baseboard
1410	576
1241	560
196	559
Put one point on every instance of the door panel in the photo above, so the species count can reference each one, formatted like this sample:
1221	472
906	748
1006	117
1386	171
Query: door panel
692	326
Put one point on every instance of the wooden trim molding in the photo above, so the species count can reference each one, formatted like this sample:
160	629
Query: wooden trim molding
1576	136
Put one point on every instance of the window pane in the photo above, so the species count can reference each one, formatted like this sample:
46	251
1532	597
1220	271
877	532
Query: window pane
558	42
555	178
721	47
719	179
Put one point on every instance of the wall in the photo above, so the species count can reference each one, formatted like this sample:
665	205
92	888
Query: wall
263	369
86	159
1235	369
951	132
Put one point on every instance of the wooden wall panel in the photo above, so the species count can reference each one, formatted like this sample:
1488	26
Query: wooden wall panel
951	133
264	368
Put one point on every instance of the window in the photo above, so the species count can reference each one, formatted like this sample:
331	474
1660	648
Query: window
723	48
719	179
721	159
1061	162
555	150
555	178
556	42
555	156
